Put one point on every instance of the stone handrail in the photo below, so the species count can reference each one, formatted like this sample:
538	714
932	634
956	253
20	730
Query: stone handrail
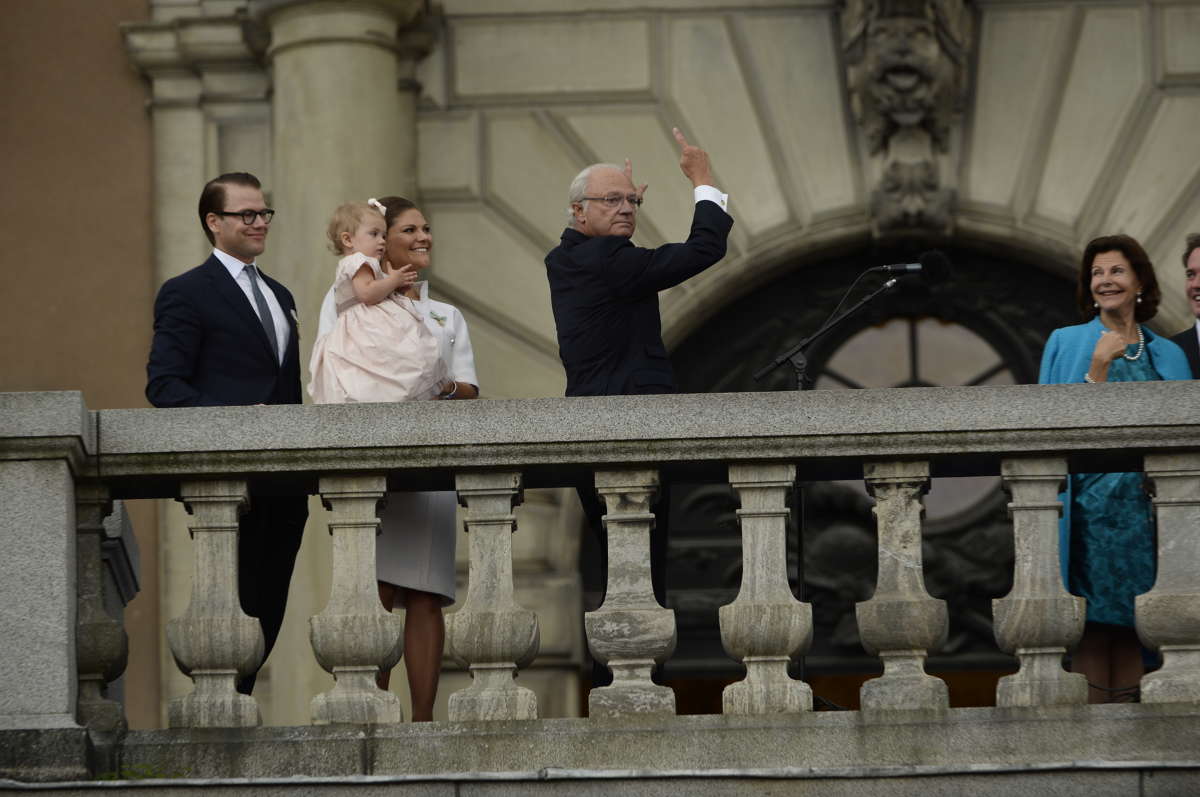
60	464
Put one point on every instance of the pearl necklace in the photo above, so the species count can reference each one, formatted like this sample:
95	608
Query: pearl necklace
1141	346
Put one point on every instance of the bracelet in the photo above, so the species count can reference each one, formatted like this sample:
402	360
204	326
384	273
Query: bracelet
1086	378
451	394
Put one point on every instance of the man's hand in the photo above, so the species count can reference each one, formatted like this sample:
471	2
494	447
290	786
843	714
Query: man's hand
641	189
693	161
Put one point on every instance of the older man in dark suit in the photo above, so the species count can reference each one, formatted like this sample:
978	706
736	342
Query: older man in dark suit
604	292
226	334
1189	339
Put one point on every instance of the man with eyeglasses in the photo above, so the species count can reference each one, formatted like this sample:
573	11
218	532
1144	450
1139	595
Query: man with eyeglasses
604	293
604	290
226	334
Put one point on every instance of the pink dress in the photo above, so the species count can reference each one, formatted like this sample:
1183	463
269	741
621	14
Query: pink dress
375	352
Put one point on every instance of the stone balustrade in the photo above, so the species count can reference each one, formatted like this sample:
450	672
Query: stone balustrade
61	466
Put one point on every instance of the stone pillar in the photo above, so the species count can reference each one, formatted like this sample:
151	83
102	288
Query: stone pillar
214	641
901	622
1168	616
1038	621
630	633
344	125
101	644
491	634
47	441
354	636
38	688
765	627
181	164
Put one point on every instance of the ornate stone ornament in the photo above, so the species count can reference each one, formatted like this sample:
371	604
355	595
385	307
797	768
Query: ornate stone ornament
907	81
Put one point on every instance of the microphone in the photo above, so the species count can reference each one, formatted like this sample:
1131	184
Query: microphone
899	268
933	266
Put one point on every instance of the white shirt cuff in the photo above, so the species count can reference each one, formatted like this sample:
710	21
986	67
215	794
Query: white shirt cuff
703	192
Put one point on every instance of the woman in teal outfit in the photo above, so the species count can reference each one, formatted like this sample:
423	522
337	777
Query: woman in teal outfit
1108	540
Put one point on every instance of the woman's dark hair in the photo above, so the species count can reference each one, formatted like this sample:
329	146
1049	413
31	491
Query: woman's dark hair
212	198
1142	267
395	206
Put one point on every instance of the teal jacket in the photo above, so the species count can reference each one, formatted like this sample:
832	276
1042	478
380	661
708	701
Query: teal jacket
1067	357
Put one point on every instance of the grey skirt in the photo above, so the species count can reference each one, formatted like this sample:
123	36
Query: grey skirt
415	547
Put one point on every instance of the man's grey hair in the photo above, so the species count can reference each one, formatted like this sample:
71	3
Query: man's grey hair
578	188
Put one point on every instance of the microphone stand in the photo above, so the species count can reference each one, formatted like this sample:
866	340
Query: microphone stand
796	355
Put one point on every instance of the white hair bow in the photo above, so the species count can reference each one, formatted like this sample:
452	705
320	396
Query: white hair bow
375	203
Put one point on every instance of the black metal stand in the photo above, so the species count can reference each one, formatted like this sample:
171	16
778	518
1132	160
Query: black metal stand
796	355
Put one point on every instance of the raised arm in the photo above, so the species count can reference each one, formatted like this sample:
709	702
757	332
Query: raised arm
369	290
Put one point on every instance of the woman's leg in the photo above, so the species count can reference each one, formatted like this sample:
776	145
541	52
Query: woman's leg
1091	659
1125	664
387	596
424	638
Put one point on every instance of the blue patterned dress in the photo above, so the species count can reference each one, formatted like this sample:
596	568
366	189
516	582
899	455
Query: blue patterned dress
1113	545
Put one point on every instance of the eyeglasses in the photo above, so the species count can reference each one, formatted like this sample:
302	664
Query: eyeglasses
248	216
615	200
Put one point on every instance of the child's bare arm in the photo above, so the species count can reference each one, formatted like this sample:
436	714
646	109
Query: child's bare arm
369	290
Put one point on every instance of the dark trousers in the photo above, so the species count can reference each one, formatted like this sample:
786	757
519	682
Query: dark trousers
593	509
269	535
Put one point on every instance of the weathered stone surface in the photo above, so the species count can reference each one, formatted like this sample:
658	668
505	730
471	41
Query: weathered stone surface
37	586
1168	616
630	633
814	744
354	637
44	754
901	622
1038	620
986	422
214	641
765	627
491	634
41	418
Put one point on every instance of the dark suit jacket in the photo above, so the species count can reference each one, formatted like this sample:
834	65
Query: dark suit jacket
210	349
1191	347
604	292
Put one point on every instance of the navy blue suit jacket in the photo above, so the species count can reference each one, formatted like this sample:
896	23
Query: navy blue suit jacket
604	292
1187	341
210	349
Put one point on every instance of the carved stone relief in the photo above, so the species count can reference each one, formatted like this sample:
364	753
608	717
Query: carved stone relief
907	81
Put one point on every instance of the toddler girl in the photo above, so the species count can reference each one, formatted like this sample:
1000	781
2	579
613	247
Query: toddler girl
379	349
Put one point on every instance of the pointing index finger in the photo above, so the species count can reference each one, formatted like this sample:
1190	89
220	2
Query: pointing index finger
679	137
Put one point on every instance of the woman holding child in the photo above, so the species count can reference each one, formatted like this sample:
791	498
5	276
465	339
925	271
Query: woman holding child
422	351
1107	533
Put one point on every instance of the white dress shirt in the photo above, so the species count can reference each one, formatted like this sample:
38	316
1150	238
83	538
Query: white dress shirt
237	270
702	192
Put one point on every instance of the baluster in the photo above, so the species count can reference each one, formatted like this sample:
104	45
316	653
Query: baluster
214	641
101	645
1168	616
354	636
491	634
1038	620
630	633
901	622
765	627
